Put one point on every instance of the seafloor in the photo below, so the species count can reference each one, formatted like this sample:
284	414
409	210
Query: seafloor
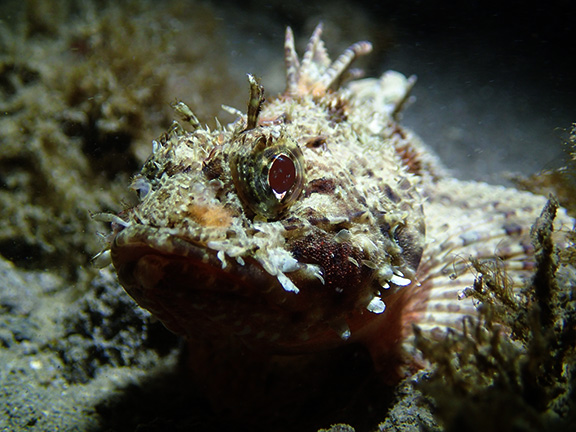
86	85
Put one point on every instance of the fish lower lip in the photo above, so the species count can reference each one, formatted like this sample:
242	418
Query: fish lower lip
154	258
187	287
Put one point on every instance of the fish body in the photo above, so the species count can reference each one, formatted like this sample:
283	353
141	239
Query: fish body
310	230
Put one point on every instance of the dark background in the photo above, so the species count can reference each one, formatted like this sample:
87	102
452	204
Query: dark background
496	80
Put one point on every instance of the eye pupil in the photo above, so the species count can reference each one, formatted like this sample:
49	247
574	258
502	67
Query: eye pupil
282	175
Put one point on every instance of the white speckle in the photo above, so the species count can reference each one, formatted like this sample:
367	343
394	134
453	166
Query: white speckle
315	271
287	284
335	220
112	218
353	261
342	235
400	281
289	264
464	293
36	364
280	260
365	243
217	245
345	335
142	186
222	257
385	273
376	305
102	259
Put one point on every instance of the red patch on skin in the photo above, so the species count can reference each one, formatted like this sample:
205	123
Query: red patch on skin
338	270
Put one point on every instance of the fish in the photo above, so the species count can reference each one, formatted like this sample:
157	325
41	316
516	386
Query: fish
304	240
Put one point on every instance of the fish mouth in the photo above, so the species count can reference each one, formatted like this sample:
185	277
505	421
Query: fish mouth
188	287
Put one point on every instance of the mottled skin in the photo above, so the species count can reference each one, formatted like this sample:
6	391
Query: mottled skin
279	291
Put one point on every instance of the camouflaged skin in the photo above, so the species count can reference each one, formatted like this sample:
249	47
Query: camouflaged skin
312	222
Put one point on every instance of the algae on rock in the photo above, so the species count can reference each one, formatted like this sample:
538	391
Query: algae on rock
82	93
513	369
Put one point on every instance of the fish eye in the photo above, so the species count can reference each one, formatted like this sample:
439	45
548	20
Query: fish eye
281	175
268	175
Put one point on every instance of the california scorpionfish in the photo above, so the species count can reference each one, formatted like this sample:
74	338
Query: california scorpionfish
312	228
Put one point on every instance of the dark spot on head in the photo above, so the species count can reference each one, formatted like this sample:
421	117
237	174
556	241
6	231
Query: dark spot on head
173	169
315	142
392	196
322	185
291	223
405	184
316	218
412	247
212	168
385	229
361	200
405	206
360	216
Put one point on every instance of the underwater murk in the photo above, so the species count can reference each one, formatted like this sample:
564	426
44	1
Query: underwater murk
310	264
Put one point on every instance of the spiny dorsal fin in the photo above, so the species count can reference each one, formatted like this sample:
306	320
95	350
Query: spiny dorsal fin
317	73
